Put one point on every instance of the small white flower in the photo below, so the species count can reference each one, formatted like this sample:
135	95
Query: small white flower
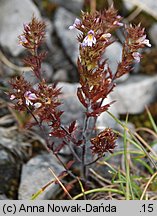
146	42
136	56
117	23
28	102
76	22
29	96
143	40
89	40
22	40
12	97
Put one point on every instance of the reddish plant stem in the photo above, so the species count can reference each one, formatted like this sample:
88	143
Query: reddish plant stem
70	147
67	170
92	162
37	70
69	144
47	144
84	147
38	75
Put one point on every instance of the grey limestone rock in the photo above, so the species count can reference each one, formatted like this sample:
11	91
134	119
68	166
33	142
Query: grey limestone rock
73	5
74	110
114	55
135	93
13	151
63	19
36	174
13	14
153	33
148	6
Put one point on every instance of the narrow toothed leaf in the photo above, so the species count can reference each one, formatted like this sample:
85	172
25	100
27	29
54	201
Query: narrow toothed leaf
58	133
81	97
59	147
72	127
98	111
69	164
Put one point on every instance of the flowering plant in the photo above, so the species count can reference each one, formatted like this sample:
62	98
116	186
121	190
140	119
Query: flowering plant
96	82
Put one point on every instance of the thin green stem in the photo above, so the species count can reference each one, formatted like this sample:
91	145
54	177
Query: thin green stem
151	120
134	136
126	159
104	189
94	161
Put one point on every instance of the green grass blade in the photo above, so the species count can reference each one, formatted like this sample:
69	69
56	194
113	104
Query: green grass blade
104	189
151	120
146	165
127	168
121	182
34	196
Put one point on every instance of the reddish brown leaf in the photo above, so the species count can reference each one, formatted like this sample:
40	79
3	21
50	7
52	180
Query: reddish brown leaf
69	164
98	96
72	127
55	124
59	147
98	111
58	133
81	98
79	142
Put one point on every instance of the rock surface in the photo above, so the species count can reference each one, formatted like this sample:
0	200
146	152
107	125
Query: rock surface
135	93
72	107
13	151
61	75
105	120
67	37
149	6
47	73
20	12
73	5
129	5
74	110
114	55
153	33
3	197
36	174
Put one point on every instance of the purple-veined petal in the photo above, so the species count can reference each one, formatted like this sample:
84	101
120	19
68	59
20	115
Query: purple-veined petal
136	56
30	95
89	40
22	40
76	22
